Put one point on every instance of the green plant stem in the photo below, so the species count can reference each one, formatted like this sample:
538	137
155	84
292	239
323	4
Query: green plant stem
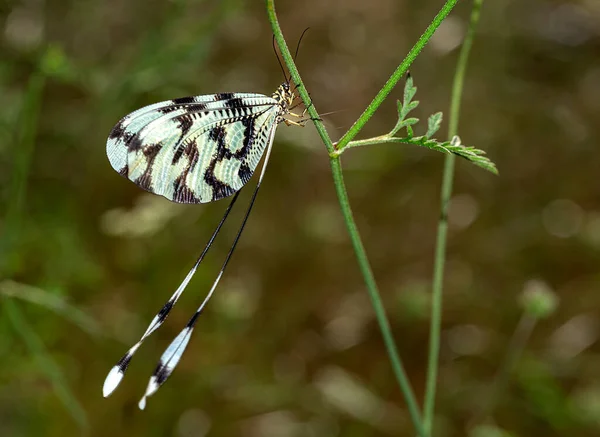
396	75
45	362
454	147
384	324
383	139
52	302
359	250
514	351
440	250
25	139
289	62
387	139
26	132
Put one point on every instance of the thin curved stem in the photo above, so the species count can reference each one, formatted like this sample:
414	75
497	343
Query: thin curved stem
353	232
341	190
396	75
289	63
515	349
440	249
382	320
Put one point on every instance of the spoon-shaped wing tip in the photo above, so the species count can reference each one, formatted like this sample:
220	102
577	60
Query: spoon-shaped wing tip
112	381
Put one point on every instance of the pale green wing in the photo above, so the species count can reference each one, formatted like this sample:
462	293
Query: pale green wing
194	152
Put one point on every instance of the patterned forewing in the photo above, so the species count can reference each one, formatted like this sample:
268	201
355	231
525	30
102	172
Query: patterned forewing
131	124
194	152
240	146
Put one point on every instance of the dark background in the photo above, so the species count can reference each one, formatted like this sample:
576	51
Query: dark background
289	345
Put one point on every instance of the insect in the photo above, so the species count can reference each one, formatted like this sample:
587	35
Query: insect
196	150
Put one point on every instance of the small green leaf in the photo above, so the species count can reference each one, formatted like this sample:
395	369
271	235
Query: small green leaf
407	125
403	110
412	105
409	90
410	121
433	124
456	148
400	109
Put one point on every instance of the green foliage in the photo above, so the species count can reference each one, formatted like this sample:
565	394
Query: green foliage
453	146
52	302
45	362
433	124
404	107
434	121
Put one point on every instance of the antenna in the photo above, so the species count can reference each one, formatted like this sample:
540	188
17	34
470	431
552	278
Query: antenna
279	60
299	41
287	79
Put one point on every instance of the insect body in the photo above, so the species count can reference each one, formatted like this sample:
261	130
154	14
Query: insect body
195	150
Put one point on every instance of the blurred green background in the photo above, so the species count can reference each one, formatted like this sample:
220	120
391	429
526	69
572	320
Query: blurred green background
289	345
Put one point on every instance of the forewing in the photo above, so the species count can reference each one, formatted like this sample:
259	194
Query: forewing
196	151
131	124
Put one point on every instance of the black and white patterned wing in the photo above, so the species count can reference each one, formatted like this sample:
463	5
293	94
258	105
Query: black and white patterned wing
195	149
130	125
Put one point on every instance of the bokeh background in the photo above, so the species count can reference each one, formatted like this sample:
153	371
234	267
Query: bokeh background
289	345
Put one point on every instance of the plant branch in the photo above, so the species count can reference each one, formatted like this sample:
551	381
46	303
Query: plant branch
369	278
514	352
289	62
353	232
440	250
396	75
448	147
